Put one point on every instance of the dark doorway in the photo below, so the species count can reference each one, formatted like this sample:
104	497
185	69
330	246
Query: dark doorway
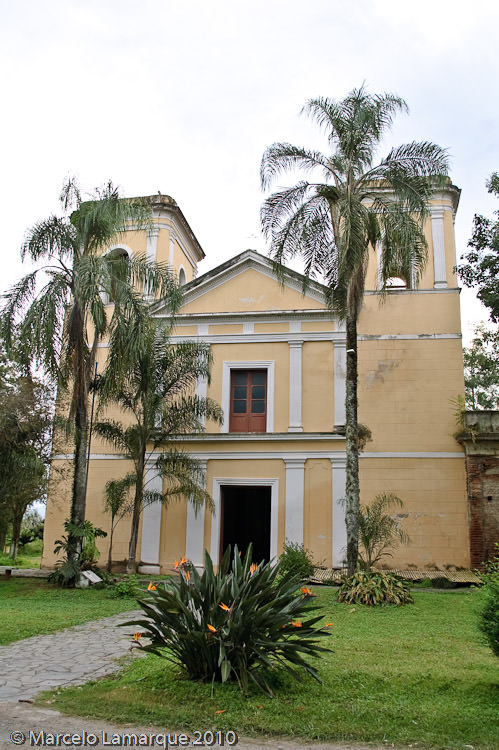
245	518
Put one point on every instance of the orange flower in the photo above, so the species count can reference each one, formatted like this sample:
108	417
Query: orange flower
296	623
137	636
187	576
151	586
179	563
221	711
212	629
253	567
306	591
328	624
224	607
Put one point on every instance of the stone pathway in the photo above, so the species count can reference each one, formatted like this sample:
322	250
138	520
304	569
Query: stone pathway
72	657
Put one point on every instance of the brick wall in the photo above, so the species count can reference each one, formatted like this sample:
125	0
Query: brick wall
483	505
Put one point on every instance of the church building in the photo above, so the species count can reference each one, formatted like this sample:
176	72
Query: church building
275	468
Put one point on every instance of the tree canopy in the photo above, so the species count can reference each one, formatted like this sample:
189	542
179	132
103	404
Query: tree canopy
479	269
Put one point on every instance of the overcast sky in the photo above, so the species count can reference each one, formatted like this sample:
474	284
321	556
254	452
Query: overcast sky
183	97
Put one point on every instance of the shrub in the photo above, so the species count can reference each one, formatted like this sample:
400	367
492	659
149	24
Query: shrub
67	572
489	614
296	560
441	582
127	587
232	625
374	587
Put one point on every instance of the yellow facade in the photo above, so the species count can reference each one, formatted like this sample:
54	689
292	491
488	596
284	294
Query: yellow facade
293	473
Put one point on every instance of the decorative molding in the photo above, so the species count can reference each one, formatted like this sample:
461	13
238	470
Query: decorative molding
248	328
293	317
295	494
218	483
295	386
267	338
447	290
268	365
258	455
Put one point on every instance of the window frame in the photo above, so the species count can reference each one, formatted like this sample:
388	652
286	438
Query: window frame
269	366
249	419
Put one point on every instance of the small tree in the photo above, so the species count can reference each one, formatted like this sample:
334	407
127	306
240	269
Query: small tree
379	532
118	505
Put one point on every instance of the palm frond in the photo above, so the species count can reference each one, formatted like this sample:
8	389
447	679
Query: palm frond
283	157
53	237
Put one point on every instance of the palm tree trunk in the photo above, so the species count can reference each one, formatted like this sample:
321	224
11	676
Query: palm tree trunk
80	467
110	553
137	510
352	447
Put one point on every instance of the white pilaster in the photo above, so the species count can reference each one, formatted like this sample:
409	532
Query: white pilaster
340	371
171	249
248	327
295	386
152	243
379	256
194	536
295	492
151	525
201	392
339	531
437	233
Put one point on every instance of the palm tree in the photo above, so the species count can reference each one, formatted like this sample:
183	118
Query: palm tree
156	393
356	206
58	310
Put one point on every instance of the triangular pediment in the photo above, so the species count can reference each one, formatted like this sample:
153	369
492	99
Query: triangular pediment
248	283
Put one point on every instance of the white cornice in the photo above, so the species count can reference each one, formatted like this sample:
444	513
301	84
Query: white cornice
241	317
280	455
337	337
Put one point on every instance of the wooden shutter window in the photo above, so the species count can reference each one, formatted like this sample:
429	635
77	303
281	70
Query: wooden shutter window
248	401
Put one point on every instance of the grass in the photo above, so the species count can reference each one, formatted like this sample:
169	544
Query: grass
31	606
416	674
29	556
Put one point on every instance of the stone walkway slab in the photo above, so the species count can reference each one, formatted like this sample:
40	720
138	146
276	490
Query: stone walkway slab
69	657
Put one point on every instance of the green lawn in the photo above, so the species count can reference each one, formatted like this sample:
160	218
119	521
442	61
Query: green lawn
415	674
29	556
31	606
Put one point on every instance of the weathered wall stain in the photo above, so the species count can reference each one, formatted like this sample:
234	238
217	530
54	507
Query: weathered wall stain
383	369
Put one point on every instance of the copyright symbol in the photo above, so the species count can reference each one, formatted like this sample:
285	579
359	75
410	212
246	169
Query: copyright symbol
17	738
